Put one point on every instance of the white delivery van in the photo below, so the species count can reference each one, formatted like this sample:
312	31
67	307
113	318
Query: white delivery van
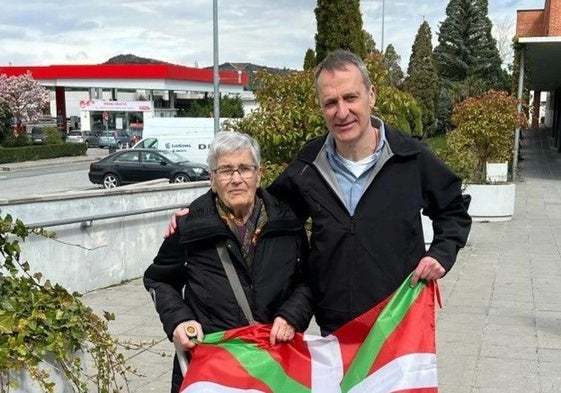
193	148
188	136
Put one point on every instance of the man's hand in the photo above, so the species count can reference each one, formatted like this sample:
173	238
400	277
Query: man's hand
428	269
186	333
281	331
172	224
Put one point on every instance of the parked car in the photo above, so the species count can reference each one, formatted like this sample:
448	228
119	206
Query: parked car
90	138
115	138
37	134
137	165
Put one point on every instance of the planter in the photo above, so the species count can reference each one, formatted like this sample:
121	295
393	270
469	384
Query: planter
26	384
491	202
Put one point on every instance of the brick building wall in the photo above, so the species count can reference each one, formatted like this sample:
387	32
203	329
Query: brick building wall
529	23
540	23
553	9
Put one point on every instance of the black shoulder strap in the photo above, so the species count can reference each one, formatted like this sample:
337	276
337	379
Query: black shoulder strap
234	280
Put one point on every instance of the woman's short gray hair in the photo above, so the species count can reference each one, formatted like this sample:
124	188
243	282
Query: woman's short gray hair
232	141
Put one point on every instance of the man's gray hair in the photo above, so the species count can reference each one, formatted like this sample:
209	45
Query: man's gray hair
226	142
338	60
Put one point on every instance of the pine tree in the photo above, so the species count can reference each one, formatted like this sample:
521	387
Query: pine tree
339	25
310	60
390	60
369	43
467	58
422	78
466	47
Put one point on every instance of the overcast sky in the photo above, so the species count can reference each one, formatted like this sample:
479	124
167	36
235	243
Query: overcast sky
274	33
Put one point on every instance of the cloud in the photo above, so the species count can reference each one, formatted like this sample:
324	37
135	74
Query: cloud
272	33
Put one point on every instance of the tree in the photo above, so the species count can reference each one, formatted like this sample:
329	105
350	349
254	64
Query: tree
230	106
310	60
466	46
467	58
391	60
422	78
369	43
339	25
503	36
6	120
24	95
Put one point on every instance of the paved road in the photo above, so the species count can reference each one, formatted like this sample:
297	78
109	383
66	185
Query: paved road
49	176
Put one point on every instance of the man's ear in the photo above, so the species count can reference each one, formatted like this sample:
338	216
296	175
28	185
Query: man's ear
372	96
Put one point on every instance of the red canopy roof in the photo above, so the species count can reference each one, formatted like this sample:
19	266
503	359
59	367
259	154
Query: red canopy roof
125	71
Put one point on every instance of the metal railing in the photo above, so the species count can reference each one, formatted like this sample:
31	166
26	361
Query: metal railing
87	220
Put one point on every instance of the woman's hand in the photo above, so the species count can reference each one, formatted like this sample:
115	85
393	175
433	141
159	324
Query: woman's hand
281	331
186	333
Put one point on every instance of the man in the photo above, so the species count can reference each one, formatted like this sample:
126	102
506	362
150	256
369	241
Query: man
364	184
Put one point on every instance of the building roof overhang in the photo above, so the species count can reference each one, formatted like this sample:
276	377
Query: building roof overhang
131	76
542	60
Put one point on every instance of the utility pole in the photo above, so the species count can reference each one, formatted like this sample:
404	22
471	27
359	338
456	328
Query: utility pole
383	16
216	77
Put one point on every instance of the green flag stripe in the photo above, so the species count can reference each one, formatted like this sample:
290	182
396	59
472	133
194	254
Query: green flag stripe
254	359
390	317
214	338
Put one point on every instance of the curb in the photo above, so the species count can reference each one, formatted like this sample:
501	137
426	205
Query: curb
46	162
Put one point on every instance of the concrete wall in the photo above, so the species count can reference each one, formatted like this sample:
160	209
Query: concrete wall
100	253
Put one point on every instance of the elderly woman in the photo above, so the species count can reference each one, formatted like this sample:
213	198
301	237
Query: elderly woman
264	239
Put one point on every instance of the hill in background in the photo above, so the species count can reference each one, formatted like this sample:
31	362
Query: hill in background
247	68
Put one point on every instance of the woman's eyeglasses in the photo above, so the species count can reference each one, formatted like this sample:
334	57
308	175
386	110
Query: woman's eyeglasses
227	173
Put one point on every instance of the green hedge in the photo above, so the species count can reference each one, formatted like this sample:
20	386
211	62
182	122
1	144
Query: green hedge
38	152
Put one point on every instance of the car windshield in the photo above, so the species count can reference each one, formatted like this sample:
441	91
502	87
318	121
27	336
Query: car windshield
75	133
173	157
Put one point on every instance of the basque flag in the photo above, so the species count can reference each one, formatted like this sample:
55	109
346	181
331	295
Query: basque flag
390	348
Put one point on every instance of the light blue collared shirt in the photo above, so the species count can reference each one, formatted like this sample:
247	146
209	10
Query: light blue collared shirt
352	186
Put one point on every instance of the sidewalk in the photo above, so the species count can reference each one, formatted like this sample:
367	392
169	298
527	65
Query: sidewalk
91	155
500	326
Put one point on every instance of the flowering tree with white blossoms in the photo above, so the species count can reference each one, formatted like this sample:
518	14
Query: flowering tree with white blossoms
24	95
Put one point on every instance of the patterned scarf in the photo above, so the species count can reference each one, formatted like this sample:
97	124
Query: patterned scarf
248	233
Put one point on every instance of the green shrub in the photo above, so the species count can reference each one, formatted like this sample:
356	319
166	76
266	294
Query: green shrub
38	317
52	136
38	152
484	133
16	141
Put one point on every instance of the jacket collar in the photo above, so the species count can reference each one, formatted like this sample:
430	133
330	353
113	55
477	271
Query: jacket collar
203	220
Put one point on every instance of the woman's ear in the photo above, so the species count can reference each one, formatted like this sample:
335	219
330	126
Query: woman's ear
259	175
212	180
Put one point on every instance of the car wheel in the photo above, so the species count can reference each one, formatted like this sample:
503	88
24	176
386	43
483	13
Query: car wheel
111	180
119	145
180	178
87	145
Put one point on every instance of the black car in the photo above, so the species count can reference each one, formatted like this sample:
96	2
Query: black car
136	165
37	135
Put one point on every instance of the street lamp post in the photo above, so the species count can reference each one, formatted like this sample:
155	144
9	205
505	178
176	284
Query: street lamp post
383	15
216	77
